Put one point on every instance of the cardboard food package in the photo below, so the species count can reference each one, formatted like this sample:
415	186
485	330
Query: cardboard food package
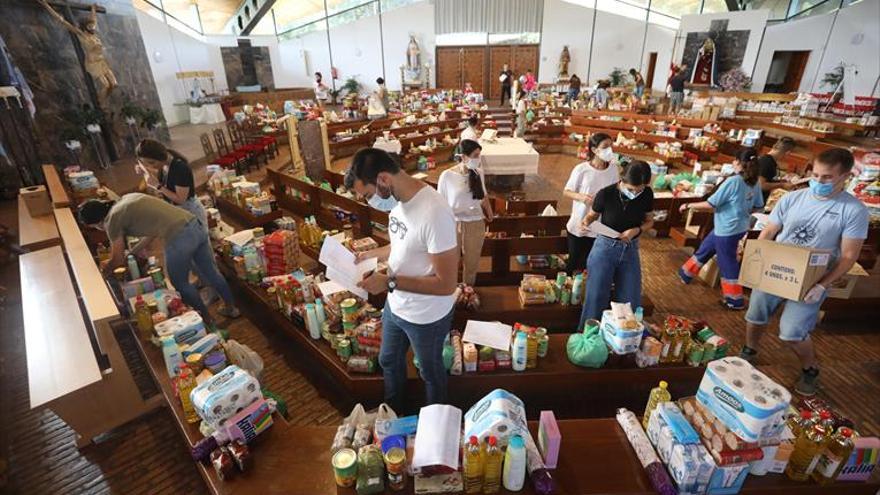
36	199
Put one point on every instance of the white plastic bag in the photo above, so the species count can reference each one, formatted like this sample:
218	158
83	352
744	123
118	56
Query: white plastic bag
383	413
244	357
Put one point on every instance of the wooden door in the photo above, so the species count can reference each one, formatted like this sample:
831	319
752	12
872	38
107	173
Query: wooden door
449	67
498	56
796	65
525	57
473	67
652	65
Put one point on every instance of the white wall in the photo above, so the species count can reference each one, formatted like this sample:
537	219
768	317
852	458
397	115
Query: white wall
565	24
751	20
660	39
617	43
806	34
356	52
397	26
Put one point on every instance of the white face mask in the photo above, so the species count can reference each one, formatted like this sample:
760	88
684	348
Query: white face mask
472	163
605	154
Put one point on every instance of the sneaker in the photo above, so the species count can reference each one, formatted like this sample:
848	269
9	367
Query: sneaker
737	306
748	354
229	311
806	385
684	277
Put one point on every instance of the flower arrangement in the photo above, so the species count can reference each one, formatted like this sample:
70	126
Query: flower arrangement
735	80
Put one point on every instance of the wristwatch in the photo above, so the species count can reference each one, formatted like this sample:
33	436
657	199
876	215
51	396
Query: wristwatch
392	283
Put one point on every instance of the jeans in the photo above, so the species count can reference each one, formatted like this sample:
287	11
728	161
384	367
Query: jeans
190	247
724	250
639	91
612	262
573	94
427	343
578	250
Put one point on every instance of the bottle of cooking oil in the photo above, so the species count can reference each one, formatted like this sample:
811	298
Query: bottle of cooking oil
827	422
531	349
658	394
143	317
492	466
683	337
807	449
186	382
473	466
797	423
666	338
837	451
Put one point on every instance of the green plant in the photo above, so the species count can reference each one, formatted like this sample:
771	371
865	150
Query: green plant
130	110
618	77
351	85
151	118
833	78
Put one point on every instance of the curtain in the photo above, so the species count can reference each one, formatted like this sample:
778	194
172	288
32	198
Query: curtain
493	16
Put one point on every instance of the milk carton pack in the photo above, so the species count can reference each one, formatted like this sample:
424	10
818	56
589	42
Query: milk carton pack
499	413
186	328
728	480
692	468
620	340
224	395
748	402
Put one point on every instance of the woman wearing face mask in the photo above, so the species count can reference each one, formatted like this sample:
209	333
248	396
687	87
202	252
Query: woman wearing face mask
168	176
626	211
733	202
587	179
464	188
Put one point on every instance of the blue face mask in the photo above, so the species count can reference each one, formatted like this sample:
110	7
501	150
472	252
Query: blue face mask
629	194
821	188
382	204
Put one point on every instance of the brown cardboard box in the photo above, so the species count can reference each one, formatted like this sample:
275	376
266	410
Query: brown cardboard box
36	198
709	273
783	270
843	288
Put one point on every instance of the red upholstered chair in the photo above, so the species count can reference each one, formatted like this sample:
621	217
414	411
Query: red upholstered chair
241	159
237	137
208	149
269	143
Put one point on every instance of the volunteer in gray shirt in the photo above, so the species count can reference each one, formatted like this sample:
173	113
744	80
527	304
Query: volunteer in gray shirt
821	217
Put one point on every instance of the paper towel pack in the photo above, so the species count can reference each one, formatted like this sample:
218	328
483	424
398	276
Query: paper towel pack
499	413
224	395
186	328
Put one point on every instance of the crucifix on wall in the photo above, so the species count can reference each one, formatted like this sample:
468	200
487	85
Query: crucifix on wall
90	52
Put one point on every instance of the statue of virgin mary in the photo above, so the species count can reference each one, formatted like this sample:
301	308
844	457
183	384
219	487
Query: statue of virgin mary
704	65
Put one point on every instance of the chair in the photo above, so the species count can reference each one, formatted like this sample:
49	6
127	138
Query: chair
269	143
240	158
210	155
240	143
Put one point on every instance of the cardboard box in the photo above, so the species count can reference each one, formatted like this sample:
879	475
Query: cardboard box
36	199
843	288
783	270
710	273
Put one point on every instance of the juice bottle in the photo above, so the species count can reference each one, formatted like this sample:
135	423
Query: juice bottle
186	382
837	451
473	466
658	394
492	466
143	317
807	449
531	349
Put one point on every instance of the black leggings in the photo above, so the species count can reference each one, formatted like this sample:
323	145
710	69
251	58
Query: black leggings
578	251
505	93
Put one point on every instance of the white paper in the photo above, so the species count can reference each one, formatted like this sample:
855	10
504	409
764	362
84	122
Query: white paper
502	77
438	437
600	228
420	176
341	266
241	238
330	287
489	333
488	135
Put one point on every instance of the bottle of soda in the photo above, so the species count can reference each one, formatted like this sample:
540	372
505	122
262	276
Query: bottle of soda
836	453
473	466
807	449
492	466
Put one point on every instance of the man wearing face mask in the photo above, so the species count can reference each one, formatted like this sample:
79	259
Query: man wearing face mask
822	217
422	273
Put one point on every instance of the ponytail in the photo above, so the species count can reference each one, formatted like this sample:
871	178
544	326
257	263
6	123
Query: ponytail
154	150
476	185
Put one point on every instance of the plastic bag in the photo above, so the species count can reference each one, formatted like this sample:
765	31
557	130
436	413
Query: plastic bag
588	348
244	357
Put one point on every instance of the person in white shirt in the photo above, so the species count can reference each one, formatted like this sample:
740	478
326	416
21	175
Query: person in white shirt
321	89
521	108
586	180
471	132
464	188
422	273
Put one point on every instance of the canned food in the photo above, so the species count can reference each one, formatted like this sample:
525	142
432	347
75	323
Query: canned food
349	310
343	349
119	274
158	277
543	344
395	465
345	467
195	363
565	298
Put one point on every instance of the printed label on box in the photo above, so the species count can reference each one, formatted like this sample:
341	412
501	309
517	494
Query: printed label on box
820	259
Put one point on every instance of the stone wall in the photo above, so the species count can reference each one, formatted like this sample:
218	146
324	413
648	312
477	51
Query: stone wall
247	65
43	50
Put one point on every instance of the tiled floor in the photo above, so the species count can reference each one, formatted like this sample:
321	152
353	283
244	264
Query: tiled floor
147	455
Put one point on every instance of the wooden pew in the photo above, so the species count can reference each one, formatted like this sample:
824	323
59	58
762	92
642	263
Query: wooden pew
243	216
36	232
57	192
532	224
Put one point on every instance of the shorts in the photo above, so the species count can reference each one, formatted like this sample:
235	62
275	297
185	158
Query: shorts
798	318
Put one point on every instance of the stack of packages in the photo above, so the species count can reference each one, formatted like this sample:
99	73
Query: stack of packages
245	189
536	289
281	249
84	184
622	329
679	447
261	204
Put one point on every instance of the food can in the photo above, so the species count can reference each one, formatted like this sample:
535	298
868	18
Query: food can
565	298
349	309
158	277
395	465
561	278
195	363
540	331
543	344
343	349
345	467
119	274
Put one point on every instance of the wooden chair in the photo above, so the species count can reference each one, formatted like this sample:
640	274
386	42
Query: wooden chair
210	155
240	142
240	158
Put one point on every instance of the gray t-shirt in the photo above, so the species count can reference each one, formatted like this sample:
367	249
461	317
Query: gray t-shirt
808	221
140	215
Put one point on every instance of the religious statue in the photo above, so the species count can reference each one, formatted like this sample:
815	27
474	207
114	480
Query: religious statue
413	70
87	34
704	65
564	60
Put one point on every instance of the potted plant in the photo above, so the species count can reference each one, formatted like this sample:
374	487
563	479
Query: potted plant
151	119
351	86
130	112
617	77
833	78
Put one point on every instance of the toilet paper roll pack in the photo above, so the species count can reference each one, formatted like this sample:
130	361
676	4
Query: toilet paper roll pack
747	401
500	414
186	328
225	394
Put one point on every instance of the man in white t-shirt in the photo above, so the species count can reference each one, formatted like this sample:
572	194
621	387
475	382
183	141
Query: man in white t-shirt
422	273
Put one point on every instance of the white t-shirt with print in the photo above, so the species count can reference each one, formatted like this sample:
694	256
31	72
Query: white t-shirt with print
586	179
454	187
418	228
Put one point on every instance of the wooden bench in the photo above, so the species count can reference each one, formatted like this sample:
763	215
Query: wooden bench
57	192
36	232
243	216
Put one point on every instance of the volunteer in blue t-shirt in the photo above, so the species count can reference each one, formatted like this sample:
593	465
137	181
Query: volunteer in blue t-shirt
733	202
821	217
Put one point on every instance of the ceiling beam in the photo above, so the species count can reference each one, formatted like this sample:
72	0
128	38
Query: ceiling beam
249	14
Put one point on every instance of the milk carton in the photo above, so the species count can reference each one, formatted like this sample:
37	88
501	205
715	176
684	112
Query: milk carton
747	401
728	480
620	340
691	467
499	413
224	395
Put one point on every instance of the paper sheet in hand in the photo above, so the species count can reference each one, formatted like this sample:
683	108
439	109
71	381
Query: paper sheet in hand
330	287
438	437
489	333
600	228
341	267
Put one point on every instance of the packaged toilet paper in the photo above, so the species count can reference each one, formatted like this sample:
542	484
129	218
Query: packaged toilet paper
499	413
621	340
747	401
186	328
224	395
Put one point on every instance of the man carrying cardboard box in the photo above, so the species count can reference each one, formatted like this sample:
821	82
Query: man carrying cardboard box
822	217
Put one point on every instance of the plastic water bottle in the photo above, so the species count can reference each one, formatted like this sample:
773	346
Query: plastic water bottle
133	270
514	472
640	314
172	356
319	310
519	356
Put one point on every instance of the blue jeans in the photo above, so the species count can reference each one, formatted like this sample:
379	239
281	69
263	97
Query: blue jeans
639	91
612	262
573	94
427	342
190	248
